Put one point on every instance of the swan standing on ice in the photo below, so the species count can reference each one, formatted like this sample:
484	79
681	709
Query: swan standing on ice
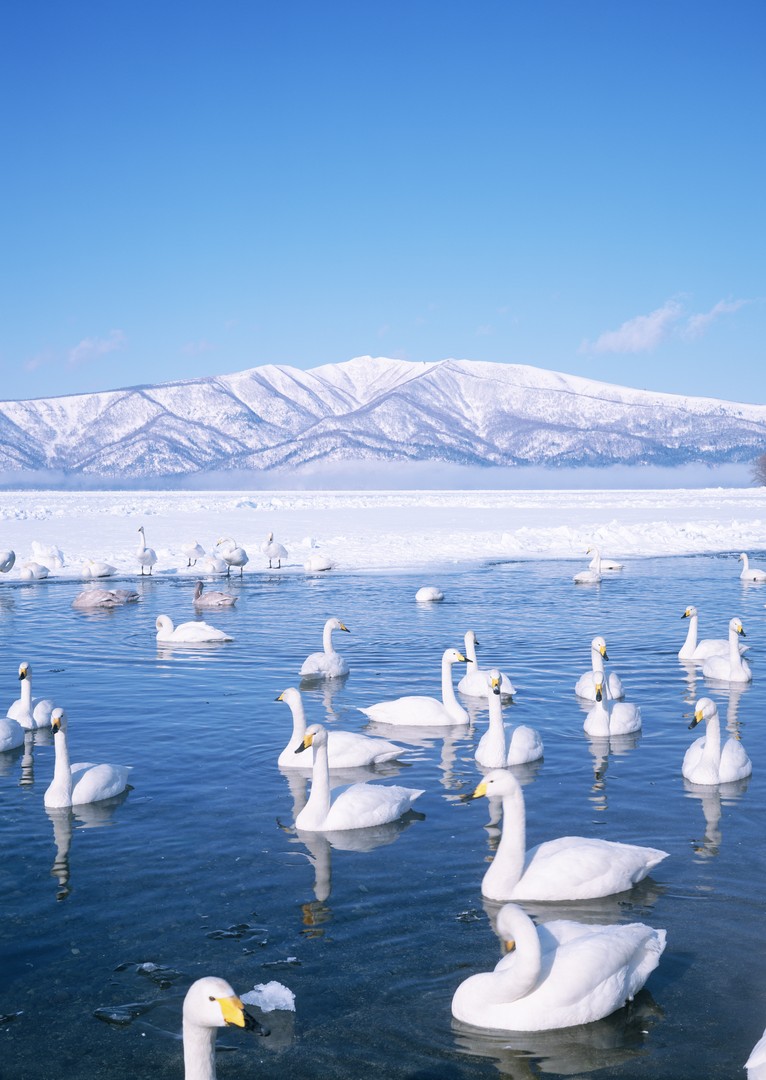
192	551
597	563
706	761
210	1003
272	550
360	806
190	633
7	559
569	868
559	974
608	717
345	749
83	782
327	663
146	556
751	573
591	576
212	599
232	555
586	684
731	668
104	598
495	750
701	650
30	712
419	710
474	682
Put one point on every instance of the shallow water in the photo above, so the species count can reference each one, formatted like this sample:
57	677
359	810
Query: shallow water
200	871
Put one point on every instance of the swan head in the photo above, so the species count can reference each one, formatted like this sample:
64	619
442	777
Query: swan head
314	736
742	557
58	720
140	528
454	656
494	679
164	622
599	645
198	590
25	670
470	639
689	613
508	918
499	782
336	624
290	696
705	709
735	625
212	1003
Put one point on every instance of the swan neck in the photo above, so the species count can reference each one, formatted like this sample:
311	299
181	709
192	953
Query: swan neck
60	791
599	719
598	661
327	640
448	690
519	975
318	805
26	693
299	722
470	649
734	654
496	727
712	749
508	864
691	634
199	1052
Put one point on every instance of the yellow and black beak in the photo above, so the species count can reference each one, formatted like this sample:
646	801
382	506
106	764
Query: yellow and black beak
305	744
22	673
235	1016
463	659
698	717
280	698
602	650
741	631
686	614
344	627
477	794
56	724
495	684
599	692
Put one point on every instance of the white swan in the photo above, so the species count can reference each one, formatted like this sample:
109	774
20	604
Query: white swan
192	551
146	556
316	564
706	761
83	782
272	550
212	599
360	806
327	663
585	686
11	734
33	571
419	710
48	554
597	562
213	565
591	576
751	573
495	749
474	682
345	749
757	1057
7	559
190	633
609	717
731	668
559	974
104	598
569	868
30	712
210	1003
95	568
429	594
232	555
701	650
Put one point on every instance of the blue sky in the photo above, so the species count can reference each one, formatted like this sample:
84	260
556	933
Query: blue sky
192	189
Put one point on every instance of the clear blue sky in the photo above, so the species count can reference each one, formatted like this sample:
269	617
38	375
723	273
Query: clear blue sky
194	188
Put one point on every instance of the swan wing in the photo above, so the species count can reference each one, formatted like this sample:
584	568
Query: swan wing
577	867
363	805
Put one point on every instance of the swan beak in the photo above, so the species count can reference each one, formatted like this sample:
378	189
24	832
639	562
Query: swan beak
463	659
495	683
599	694
22	674
509	946
477	794
602	650
685	614
280	698
56	725
343	627
307	741
235	1016
741	631
697	718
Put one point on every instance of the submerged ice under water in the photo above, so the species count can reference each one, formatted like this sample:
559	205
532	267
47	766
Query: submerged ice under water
109	912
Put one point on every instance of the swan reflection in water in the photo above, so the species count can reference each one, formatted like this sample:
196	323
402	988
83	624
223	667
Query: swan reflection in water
64	820
321	691
713	798
452	738
601	751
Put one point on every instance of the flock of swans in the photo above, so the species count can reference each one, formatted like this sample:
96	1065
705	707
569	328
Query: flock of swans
558	974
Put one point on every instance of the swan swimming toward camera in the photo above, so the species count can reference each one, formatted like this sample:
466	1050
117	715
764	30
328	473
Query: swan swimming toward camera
73	785
328	663
586	684
731	668
496	750
210	1003
560	974
706	761
609	717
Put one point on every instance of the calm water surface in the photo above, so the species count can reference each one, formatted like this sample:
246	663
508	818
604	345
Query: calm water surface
199	870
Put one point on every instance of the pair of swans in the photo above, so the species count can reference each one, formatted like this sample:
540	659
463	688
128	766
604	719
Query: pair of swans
345	749
212	599
419	710
707	762
474	682
146	556
232	554
328	664
496	749
731	668
273	551
188	633
592	575
608	717
84	782
359	806
30	712
750	573
210	1003
560	974
569	868
692	649
586	684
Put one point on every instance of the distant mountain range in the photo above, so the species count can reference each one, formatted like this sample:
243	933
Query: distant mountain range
373	409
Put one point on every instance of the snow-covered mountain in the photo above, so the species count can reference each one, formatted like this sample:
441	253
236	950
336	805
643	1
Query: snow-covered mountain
374	409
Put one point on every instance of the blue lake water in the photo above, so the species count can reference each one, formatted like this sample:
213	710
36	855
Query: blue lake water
200	871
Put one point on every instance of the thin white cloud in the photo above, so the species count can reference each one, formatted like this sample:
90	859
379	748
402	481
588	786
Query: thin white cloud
697	325
197	348
640	334
92	348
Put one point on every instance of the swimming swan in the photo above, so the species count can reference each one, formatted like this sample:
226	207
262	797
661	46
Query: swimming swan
474	682
495	749
83	782
586	684
11	734
191	633
30	712
569	868
345	749
104	598
559	974
701	650
272	550
751	573
609	717
591	576
429	594
233	555
604	564
360	806
146	556
327	663
706	761
731	668
212	599
419	710
210	1003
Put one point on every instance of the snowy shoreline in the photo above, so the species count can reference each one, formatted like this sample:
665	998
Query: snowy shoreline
380	530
